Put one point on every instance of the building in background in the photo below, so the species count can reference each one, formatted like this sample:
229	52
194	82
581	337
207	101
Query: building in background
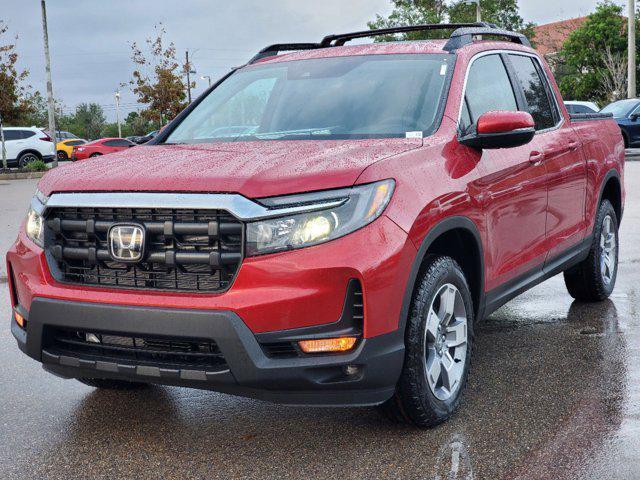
550	37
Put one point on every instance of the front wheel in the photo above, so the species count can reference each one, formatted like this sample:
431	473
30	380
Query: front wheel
26	158
438	343
95	155
593	279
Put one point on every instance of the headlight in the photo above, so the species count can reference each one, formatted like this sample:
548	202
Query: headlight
34	227
361	205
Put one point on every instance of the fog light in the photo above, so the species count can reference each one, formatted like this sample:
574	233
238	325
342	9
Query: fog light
19	319
341	344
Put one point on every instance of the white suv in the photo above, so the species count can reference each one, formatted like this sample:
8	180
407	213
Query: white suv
26	144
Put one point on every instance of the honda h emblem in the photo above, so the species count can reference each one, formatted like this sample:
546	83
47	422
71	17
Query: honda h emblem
126	242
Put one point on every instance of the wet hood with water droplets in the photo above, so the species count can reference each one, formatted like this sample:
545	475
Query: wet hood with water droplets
254	169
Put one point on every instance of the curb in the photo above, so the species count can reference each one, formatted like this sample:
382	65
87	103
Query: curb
21	175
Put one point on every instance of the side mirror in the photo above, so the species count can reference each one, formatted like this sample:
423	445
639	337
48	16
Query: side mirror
633	117
500	129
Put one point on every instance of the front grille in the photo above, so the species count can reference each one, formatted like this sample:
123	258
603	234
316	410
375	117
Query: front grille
186	250
138	350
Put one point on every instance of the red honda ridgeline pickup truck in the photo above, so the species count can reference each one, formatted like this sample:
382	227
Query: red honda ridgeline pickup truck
324	226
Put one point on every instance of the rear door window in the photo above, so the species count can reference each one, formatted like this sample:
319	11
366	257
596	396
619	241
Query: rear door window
536	91
488	88
27	133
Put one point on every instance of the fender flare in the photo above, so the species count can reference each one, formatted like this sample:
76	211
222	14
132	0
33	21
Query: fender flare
444	226
613	173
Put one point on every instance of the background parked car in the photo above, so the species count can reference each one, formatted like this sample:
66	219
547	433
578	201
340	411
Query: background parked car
626	113
143	139
27	144
100	147
65	147
574	106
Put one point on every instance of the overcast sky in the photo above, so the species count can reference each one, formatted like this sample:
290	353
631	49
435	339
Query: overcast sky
89	39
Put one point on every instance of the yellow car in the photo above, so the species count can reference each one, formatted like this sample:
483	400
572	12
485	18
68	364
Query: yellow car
64	147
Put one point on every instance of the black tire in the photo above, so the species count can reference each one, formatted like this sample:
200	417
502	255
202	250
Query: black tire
626	140
62	155
26	158
414	401
586	281
95	155
109	384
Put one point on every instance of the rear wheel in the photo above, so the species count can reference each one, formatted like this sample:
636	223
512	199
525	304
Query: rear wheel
438	342
26	158
95	155
62	155
108	384
593	279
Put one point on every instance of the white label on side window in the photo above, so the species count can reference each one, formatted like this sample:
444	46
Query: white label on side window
443	70
414	135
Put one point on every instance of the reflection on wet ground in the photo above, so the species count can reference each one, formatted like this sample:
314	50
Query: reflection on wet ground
554	393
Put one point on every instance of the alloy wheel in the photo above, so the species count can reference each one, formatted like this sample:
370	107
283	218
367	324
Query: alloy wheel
446	342
608	250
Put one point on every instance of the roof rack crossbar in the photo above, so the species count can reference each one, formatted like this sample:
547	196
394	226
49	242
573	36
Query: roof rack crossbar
341	39
464	36
273	50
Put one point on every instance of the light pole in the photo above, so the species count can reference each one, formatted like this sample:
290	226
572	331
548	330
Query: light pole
478	13
631	50
3	151
52	113
118	113
206	77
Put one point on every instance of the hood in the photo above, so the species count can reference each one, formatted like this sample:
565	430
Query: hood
254	169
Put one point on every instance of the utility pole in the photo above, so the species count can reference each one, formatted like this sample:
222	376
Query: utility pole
52	113
631	50
478	13
188	77
3	151
118	113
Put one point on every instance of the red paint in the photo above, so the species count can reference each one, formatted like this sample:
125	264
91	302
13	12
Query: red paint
499	121
98	147
525	210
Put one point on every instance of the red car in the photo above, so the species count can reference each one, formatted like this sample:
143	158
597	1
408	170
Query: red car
100	147
325	226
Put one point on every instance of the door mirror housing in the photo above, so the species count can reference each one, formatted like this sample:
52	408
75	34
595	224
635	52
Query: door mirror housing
500	129
634	116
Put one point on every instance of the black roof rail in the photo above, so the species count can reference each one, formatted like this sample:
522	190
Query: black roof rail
343	38
464	36
273	50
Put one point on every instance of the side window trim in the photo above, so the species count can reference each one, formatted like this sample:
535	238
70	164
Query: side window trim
517	90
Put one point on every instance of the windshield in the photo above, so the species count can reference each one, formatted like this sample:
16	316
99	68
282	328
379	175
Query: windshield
343	97
621	108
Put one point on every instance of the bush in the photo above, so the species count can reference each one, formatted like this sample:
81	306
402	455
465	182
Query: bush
36	166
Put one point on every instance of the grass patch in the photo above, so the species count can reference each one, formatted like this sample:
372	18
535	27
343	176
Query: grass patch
36	166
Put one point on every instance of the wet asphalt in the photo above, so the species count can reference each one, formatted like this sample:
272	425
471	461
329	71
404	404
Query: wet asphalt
554	393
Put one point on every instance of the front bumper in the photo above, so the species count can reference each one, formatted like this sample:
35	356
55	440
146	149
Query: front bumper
311	380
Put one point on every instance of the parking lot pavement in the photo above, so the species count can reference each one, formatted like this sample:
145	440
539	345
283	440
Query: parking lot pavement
554	393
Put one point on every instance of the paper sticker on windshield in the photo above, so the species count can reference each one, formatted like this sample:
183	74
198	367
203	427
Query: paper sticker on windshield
443	70
414	134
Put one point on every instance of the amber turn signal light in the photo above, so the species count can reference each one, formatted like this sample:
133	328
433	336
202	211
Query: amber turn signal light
325	345
19	319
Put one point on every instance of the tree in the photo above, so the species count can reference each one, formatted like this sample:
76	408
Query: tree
613	76
584	67
14	101
88	121
157	80
137	125
504	13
